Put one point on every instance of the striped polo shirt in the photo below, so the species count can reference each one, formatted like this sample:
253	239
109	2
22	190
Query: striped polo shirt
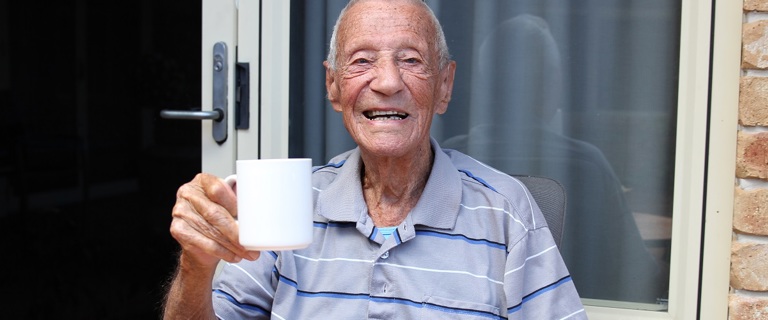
475	246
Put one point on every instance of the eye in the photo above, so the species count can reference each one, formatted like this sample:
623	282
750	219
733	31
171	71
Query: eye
361	61
411	60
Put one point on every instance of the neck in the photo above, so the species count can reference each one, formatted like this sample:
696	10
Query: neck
393	186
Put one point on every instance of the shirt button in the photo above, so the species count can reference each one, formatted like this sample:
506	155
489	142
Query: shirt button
385	255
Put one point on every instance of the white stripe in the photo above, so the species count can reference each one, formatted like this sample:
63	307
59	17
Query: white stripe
492	168
485	207
496	209
530	204
398	266
441	271
529	258
218	316
316	189
278	316
252	278
572	314
332	259
520	183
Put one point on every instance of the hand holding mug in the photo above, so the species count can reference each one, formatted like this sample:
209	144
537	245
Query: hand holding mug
204	222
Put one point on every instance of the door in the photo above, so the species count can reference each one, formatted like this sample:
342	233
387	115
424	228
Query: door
88	170
235	83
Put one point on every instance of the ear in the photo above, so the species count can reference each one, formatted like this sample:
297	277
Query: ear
331	87
445	87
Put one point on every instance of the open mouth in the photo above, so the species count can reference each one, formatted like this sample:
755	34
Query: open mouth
385	115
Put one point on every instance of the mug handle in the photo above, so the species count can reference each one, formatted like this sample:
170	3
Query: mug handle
231	181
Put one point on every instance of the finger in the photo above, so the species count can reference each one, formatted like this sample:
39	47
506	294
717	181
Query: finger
219	192
207	218
252	255
205	250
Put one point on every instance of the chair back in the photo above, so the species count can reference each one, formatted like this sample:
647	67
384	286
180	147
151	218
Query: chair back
550	196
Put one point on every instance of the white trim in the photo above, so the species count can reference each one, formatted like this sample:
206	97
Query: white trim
693	88
275	56
722	160
248	26
219	24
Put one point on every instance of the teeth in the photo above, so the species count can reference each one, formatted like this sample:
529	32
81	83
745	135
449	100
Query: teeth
386	115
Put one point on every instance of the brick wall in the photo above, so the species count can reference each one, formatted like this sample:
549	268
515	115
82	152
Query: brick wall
749	250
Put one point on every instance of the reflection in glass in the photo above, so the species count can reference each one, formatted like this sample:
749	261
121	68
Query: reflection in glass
581	92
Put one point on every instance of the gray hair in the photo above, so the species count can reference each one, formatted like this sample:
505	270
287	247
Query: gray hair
441	46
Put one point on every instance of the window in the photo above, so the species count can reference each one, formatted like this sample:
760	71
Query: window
588	93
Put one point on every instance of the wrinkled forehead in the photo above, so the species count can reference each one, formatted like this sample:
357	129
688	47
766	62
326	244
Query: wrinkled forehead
368	21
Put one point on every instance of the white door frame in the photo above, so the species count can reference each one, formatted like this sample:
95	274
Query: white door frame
263	43
219	25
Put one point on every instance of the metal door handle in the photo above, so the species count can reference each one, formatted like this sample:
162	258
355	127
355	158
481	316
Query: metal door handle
215	115
220	84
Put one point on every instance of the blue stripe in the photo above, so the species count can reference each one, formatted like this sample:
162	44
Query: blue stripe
320	225
342	224
478	179
463	238
339	295
325	225
241	305
336	295
333	165
436	307
373	233
398	240
402	301
477	313
397	301
365	296
289	282
539	292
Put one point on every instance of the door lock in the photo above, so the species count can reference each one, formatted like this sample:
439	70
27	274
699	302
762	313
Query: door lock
219	102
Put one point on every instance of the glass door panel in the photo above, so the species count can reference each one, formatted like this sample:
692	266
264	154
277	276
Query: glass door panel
585	93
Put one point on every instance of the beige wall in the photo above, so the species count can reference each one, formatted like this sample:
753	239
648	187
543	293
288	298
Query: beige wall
749	250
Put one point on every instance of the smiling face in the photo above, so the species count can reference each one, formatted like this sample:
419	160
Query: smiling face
388	83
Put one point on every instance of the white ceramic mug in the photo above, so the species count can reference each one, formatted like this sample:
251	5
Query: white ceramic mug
274	203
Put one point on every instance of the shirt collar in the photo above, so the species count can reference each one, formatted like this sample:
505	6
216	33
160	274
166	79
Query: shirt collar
438	207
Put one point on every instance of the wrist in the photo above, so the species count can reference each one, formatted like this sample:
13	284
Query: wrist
189	266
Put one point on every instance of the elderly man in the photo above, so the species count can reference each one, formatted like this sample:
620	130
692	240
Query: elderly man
403	228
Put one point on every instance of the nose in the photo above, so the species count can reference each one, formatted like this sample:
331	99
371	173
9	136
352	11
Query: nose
388	79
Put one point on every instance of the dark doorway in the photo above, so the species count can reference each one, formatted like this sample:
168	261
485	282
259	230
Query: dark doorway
88	169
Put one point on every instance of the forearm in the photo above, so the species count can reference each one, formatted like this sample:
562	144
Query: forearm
189	294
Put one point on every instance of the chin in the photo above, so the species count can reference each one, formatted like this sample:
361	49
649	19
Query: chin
390	147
